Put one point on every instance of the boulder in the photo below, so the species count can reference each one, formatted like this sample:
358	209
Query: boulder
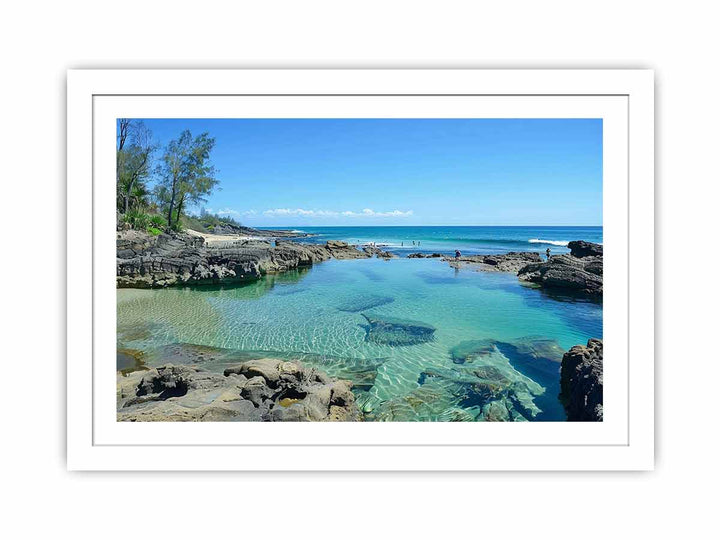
581	382
580	249
342	250
379	253
569	273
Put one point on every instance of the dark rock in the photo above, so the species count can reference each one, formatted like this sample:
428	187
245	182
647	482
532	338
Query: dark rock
265	389
508	262
397	332
425	256
580	248
568	273
581	382
145	261
379	253
342	250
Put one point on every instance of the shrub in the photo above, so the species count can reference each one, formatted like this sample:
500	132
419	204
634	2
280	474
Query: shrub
154	231
158	221
137	220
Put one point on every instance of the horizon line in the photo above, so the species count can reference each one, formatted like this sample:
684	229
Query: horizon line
411	226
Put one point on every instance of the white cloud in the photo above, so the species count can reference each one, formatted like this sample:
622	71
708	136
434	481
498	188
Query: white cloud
231	212
366	212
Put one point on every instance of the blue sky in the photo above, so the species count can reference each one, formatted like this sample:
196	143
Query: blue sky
318	172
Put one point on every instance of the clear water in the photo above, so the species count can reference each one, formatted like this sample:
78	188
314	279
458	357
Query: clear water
469	240
318	312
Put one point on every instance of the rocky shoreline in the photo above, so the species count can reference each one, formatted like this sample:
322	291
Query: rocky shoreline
508	262
579	272
176	259
171	259
266	389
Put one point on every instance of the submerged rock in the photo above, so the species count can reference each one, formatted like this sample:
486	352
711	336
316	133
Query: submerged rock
266	389
467	351
485	386
397	332
425	256
361	303
581	382
575	274
532	347
489	389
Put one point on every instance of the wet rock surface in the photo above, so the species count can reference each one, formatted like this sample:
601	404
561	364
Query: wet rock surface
146	261
569	273
361	372
508	262
379	253
581	382
265	389
397	332
425	256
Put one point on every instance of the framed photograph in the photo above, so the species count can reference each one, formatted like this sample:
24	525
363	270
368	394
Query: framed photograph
360	270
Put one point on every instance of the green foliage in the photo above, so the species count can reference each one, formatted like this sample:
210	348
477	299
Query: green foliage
207	222
137	220
134	152
186	175
152	223
158	221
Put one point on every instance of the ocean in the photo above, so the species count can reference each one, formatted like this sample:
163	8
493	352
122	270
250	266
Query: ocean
469	240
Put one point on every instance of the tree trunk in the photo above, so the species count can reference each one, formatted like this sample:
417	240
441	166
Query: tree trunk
179	211
172	201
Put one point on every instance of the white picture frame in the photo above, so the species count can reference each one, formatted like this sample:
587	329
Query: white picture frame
623	98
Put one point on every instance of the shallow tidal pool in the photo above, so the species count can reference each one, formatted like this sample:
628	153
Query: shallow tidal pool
449	344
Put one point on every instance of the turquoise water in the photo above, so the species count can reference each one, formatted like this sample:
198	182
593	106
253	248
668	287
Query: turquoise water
469	240
316	314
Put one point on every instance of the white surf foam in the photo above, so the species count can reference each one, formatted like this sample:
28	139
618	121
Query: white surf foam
551	242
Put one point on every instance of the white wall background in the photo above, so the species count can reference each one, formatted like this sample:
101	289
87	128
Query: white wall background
40	40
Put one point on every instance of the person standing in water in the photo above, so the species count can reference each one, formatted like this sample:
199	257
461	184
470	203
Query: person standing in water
547	253
457	254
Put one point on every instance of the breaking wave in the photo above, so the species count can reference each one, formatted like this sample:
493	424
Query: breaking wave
563	243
